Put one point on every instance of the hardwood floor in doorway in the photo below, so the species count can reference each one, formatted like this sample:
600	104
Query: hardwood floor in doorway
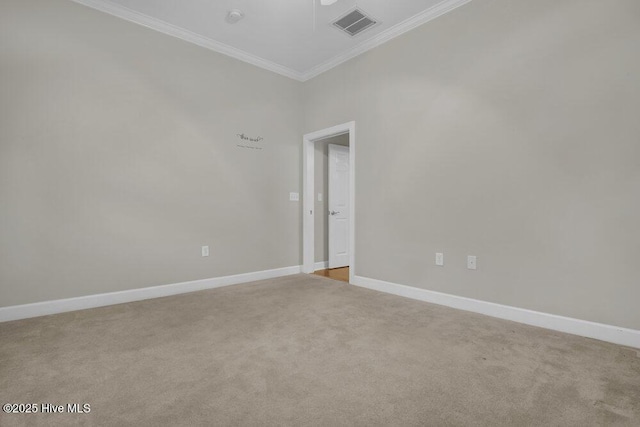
341	273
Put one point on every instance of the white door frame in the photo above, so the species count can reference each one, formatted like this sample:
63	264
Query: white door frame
308	190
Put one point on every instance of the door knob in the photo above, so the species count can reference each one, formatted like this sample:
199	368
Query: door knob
333	213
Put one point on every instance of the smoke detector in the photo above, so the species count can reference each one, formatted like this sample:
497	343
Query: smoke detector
234	15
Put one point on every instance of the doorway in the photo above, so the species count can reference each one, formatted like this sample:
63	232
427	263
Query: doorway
331	193
315	203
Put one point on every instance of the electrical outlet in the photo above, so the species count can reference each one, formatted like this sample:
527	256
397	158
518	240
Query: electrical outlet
205	251
439	259
294	197
472	262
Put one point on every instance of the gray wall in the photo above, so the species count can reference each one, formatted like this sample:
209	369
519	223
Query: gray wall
507	130
321	217
118	157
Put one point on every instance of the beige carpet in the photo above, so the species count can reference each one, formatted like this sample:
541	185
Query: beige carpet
305	350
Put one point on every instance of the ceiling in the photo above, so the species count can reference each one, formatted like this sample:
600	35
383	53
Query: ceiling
278	35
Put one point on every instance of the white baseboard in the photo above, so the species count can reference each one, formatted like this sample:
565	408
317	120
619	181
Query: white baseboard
17	312
322	265
613	334
599	331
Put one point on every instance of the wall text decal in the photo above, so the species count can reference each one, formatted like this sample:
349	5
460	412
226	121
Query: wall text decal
248	138
249	142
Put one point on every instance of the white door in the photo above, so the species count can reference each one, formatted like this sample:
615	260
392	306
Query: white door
338	206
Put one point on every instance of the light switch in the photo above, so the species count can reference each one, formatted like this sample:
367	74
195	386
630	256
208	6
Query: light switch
319	197
205	251
439	259
472	262
294	197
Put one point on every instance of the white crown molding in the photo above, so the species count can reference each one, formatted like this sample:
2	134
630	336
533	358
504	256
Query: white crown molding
188	36
386	35
584	328
25	311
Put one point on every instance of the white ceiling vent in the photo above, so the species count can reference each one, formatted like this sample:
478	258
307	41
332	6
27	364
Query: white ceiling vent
354	22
